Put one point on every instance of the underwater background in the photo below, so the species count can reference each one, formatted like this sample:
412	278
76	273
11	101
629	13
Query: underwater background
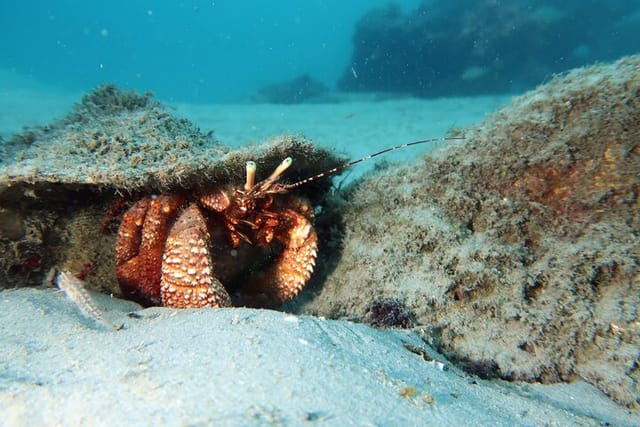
224	50
494	276
195	51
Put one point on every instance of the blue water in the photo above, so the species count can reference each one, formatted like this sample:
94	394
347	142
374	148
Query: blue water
225	50
196	51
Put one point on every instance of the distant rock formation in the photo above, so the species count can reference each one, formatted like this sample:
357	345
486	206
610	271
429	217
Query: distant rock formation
301	89
467	47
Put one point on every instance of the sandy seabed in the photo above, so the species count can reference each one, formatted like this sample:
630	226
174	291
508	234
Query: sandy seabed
249	367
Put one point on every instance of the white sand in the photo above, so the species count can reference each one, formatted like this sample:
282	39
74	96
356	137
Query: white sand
248	367
252	367
356	127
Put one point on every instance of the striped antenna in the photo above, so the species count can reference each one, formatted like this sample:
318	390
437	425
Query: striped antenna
287	187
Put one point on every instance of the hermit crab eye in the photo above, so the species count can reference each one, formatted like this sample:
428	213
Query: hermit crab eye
280	169
251	175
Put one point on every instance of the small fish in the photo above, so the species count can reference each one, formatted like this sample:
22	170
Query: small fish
75	291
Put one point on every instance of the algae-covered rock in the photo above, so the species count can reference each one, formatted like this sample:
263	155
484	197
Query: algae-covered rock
59	182
111	138
122	140
517	251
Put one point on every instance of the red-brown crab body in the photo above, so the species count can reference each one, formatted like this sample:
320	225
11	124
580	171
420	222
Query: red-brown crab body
176	250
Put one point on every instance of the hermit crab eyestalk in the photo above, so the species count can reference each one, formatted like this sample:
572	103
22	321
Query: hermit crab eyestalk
280	169
251	175
269	185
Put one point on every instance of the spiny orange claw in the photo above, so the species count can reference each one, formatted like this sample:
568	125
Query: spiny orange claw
187	280
290	272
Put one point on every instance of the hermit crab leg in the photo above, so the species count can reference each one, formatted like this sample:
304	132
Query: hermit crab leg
140	244
128	261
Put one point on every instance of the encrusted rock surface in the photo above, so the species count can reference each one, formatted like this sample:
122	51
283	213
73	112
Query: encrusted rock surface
517	251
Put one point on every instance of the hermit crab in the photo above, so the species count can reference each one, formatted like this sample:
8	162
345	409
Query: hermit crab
165	243
179	250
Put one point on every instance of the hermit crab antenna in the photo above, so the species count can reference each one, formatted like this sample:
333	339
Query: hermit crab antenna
251	175
287	187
